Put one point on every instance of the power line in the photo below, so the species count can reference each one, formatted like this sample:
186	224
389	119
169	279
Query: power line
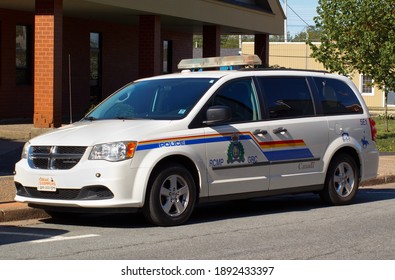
296	13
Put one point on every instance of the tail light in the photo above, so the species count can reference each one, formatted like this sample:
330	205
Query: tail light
373	129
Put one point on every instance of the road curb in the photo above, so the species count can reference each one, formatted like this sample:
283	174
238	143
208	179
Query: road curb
379	180
15	211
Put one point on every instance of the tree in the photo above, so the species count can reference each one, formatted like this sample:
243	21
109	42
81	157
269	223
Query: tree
312	34
230	41
197	41
358	35
278	38
227	41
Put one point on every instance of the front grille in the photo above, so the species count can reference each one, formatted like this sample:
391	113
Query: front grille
55	157
64	194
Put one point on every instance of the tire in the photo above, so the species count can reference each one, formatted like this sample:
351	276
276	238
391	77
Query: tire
342	181
171	198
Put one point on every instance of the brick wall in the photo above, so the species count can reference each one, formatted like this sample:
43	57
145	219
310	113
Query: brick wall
182	47
211	41
48	63
119	61
149	46
120	64
261	47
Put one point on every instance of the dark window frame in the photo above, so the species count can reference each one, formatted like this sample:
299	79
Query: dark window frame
23	56
167	61
95	74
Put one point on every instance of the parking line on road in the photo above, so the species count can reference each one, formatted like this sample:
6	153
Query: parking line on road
62	238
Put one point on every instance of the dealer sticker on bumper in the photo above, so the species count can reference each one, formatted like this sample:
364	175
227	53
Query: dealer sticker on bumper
46	184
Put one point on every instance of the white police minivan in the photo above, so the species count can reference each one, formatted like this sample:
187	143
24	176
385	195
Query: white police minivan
164	144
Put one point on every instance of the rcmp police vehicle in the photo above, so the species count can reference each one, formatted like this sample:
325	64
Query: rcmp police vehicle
164	144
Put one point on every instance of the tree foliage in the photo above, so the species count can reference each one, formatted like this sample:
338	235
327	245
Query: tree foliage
227	41
358	35
312	34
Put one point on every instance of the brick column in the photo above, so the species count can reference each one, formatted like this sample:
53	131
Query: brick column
149	46
261	47
211	41
48	63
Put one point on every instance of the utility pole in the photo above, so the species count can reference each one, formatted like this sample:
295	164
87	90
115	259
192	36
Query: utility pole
285	22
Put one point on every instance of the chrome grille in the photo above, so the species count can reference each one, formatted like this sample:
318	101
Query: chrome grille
55	157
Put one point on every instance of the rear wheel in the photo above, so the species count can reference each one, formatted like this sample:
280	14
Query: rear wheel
172	197
342	180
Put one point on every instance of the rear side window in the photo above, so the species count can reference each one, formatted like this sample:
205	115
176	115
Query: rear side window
337	98
287	97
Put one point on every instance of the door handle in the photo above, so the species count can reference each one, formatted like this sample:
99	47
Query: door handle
279	130
260	132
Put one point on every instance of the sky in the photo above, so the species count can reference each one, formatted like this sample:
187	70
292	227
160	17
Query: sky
300	12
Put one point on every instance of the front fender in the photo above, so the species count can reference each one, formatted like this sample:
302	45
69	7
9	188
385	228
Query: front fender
146	161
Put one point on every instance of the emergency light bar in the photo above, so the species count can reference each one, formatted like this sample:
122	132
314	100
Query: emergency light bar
224	61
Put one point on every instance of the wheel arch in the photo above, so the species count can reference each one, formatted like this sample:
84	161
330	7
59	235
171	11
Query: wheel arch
181	160
349	151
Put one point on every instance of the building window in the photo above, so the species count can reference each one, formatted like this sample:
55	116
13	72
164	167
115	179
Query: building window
95	67
391	98
167	56
23	55
366	85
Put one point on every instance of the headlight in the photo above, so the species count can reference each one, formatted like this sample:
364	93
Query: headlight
115	151
25	151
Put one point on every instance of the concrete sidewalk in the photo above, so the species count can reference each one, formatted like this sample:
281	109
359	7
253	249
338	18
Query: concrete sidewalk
13	137
20	132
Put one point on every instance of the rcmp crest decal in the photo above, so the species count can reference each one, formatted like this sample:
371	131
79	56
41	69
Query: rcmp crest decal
235	150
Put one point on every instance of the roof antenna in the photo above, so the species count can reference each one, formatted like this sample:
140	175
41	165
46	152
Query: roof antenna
71	106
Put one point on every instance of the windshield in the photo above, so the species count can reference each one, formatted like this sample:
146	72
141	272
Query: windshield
164	99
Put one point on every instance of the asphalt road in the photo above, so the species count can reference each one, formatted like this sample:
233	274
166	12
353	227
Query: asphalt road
282	228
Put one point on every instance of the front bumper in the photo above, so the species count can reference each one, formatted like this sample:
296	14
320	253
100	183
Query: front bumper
90	184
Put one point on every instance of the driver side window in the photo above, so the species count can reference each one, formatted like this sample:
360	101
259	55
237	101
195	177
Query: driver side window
240	96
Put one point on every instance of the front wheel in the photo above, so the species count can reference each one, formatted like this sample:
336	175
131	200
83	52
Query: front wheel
172	196
342	180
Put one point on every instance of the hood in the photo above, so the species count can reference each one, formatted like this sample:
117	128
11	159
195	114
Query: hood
88	133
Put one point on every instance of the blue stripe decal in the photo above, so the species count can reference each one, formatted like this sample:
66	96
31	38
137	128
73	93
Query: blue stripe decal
279	155
147	147
206	140
288	154
192	141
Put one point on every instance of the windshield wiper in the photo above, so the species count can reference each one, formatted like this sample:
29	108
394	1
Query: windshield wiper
90	118
130	118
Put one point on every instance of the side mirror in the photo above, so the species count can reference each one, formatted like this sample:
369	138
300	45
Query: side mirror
218	114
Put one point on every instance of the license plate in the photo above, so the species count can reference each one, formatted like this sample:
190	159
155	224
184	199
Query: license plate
46	184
